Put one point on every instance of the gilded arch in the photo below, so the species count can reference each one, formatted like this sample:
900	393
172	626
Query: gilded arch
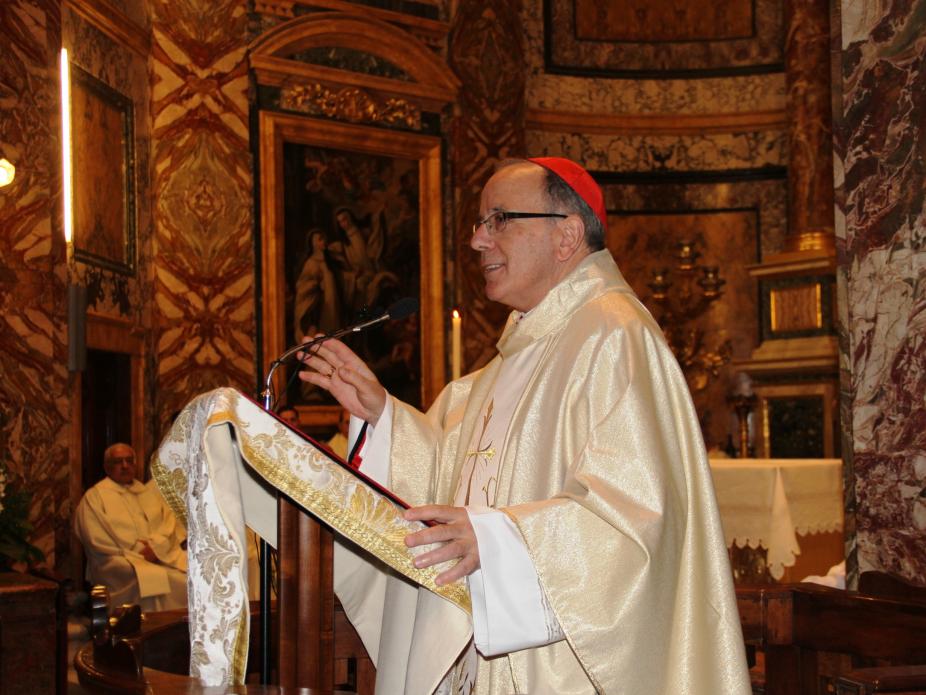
430	86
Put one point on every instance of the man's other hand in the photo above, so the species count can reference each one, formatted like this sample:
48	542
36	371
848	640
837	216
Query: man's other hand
455	531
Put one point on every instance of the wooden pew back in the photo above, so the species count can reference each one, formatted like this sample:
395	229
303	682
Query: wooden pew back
811	635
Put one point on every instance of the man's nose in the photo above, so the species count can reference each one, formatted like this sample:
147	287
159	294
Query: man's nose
481	239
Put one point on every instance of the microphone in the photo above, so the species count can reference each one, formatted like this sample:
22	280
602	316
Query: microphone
399	309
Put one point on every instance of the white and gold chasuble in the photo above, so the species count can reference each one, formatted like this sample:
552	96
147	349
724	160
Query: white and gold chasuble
604	473
477	488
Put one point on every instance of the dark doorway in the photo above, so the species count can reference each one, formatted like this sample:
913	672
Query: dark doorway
106	409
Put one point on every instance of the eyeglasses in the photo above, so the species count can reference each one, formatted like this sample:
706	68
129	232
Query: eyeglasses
495	222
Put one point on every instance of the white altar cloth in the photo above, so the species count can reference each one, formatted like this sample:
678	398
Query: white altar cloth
769	502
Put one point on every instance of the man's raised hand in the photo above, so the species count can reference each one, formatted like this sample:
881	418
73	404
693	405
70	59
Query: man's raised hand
336	368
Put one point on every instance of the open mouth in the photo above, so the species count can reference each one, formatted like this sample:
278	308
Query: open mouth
491	267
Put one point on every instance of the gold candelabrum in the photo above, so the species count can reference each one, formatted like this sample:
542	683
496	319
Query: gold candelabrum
681	296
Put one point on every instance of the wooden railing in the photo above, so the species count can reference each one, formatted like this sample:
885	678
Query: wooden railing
814	640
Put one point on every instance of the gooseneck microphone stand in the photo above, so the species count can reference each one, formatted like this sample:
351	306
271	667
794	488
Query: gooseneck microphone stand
267	394
398	310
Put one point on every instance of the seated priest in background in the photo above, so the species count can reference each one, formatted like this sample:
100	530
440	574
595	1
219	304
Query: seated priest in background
133	542
568	477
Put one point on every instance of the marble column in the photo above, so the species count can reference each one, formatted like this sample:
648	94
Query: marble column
810	137
204	314
487	53
880	231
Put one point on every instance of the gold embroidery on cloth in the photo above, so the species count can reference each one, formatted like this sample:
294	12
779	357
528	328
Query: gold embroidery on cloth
219	646
173	486
219	636
371	521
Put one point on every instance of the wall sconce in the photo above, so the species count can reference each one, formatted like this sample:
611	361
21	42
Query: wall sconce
66	171
7	171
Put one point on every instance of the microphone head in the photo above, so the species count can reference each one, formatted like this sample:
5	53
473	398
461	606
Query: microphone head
402	308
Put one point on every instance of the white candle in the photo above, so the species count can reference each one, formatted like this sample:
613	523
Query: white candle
456	343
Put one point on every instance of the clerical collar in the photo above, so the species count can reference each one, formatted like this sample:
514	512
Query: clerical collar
596	273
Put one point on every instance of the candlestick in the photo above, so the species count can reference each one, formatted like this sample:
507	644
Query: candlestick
742	406
456	355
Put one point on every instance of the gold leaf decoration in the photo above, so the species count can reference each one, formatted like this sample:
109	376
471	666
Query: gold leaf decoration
350	104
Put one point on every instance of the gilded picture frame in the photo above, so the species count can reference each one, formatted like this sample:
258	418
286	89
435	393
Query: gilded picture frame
103	165
284	139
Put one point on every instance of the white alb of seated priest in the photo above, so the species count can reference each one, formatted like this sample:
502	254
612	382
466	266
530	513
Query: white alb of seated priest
133	542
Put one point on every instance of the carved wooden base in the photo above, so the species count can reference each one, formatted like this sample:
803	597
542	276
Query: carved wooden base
28	638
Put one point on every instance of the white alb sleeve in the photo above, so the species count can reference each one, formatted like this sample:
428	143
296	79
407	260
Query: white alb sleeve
374	453
510	609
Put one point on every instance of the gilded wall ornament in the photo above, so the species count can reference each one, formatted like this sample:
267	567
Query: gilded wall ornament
678	302
350	104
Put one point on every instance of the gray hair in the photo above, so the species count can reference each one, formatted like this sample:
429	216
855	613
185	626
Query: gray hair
562	197
109	454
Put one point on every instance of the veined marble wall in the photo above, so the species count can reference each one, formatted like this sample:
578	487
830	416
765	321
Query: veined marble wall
204	323
881	229
33	354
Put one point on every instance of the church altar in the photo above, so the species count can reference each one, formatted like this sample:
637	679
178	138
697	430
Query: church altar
780	504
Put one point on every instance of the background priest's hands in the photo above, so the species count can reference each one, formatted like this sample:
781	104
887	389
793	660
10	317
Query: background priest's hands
148	553
456	533
336	368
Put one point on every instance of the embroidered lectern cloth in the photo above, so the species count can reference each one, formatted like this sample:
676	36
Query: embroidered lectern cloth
217	468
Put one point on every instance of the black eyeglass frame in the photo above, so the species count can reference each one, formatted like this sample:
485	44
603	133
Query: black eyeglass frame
502	217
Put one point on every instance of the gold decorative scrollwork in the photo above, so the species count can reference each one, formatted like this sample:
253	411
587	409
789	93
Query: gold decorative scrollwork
281	8
350	104
678	302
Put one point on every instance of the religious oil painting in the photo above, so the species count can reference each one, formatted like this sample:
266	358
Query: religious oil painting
356	229
103	165
352	251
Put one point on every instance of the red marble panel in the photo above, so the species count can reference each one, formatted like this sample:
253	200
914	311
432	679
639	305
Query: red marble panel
33	373
204	262
663	38
881	225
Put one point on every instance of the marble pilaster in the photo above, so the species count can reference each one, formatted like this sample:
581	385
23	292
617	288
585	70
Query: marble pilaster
203	235
487	53
880	232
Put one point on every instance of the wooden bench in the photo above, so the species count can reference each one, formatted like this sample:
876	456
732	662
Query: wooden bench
815	639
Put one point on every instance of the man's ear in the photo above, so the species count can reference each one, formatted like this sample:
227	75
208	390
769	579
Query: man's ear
571	237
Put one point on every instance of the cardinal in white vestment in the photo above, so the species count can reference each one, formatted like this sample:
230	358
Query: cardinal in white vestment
568	479
133	542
